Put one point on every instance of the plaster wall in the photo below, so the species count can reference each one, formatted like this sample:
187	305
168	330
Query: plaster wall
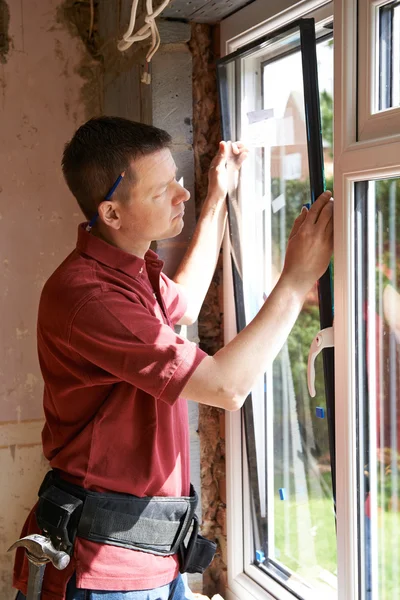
42	102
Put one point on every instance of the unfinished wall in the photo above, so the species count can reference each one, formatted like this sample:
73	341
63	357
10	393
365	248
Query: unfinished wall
204	46
48	86
50	82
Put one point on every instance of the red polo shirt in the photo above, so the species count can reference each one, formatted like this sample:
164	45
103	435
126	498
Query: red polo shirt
113	370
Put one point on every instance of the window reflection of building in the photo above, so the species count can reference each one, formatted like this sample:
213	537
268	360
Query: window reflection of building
294	154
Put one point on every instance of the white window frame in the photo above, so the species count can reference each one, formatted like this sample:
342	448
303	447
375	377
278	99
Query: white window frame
261	17
246	581
372	124
377	155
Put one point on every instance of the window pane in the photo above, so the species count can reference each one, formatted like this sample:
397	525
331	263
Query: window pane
378	384
389	55
304	533
289	458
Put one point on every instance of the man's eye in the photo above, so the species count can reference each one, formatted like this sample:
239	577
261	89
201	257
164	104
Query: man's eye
160	193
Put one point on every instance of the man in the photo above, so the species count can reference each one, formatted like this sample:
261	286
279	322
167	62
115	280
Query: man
116	375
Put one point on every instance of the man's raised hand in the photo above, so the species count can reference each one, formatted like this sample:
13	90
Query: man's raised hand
310	244
224	167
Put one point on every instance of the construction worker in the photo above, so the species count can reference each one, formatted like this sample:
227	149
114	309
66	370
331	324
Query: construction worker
116	374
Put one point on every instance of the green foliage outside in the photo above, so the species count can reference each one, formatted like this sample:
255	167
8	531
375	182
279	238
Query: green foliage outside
307	325
297	193
306	553
290	543
326	103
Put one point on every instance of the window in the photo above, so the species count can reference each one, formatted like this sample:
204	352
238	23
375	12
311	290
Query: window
388	87
366	292
267	100
379	68
377	287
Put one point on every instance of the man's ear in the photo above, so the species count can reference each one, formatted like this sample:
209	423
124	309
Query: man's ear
109	214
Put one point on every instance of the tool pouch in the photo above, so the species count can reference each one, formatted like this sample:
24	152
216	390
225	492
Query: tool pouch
158	525
199	552
58	514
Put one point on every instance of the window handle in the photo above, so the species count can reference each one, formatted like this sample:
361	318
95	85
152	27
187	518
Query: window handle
323	339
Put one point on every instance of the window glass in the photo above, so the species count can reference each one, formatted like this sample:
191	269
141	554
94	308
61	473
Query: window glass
378	384
287	432
389	55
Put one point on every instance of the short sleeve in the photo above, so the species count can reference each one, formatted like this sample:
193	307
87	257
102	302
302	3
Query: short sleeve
124	339
174	299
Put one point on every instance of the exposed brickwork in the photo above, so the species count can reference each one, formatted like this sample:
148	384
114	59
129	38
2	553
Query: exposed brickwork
206	135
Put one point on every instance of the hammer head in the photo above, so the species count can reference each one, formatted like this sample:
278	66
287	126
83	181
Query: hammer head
40	550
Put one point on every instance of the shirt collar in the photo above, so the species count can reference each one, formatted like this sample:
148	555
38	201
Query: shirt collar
114	257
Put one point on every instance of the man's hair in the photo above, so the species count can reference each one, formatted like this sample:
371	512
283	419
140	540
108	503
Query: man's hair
100	151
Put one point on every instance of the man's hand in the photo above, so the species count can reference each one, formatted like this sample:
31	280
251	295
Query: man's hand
310	244
224	169
198	265
225	379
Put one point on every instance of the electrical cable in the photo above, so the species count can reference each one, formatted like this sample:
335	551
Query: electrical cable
148	29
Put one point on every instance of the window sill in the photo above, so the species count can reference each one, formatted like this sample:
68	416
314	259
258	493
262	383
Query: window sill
246	587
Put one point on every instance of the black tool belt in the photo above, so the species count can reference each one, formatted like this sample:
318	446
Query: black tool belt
158	525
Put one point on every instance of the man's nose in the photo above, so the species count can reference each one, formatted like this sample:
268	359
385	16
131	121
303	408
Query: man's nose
182	194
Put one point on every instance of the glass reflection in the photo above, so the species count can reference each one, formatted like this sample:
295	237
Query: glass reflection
378	281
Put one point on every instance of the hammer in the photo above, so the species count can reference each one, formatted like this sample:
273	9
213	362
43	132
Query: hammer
40	551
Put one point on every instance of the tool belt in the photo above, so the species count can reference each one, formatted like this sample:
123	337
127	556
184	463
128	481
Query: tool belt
155	524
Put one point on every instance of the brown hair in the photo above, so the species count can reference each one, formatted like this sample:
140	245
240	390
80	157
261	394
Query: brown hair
100	151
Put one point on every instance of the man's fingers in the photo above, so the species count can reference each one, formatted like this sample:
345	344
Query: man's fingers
319	204
230	147
237	147
326	214
329	228
241	158
221	157
298	222
236	152
239	153
223	150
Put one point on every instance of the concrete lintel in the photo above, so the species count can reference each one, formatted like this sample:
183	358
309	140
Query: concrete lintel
172	94
173	32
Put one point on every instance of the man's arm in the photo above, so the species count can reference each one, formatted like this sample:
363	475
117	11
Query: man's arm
225	379
198	265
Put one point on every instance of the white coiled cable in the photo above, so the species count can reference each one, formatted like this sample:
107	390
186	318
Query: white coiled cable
148	29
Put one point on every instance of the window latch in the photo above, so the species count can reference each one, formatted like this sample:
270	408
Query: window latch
323	339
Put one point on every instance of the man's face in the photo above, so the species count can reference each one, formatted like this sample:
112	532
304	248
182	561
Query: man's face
156	205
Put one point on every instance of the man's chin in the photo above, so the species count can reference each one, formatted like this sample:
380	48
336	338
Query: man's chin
173	232
178	224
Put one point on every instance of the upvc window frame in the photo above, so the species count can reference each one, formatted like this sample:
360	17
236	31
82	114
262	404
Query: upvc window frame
373	156
372	122
261	18
246	581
